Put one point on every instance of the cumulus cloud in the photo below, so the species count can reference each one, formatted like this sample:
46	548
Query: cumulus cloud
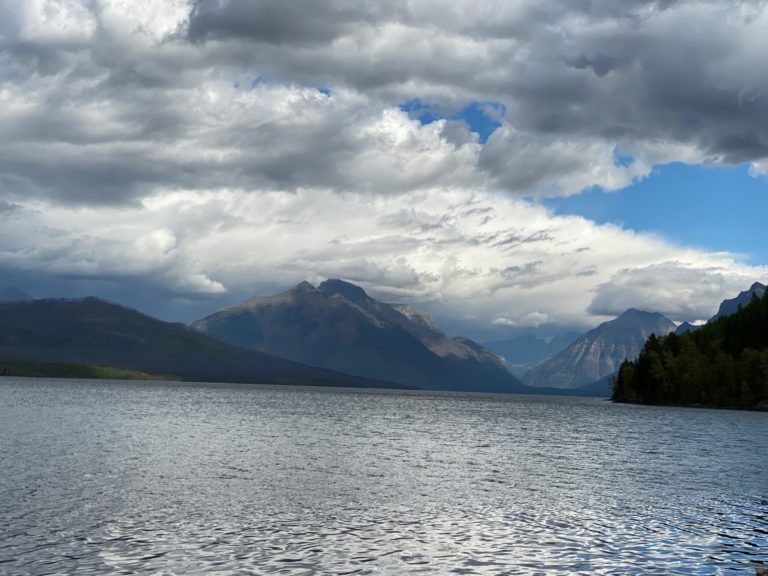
679	290
479	261
107	101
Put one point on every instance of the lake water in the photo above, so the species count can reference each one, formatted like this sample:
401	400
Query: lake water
142	478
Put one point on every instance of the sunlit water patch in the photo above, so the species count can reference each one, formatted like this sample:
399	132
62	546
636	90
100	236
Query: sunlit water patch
135	478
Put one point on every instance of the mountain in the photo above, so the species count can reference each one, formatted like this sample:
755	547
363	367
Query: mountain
600	352
338	326
686	327
722	364
524	352
91	331
13	294
731	306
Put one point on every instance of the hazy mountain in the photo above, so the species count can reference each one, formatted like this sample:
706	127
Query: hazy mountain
600	352
13	294
530	349
731	306
338	326
686	327
92	331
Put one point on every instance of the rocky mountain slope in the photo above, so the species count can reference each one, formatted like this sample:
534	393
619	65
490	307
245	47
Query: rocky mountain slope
338	326
600	352
731	305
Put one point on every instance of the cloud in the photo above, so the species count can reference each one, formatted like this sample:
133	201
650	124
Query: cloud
530	320
210	149
481	262
679	290
636	72
109	101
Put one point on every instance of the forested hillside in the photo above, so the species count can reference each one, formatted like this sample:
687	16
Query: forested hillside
723	364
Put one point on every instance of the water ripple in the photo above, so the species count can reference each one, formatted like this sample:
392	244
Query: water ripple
181	479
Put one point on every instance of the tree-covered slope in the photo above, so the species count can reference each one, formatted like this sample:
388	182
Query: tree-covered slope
723	364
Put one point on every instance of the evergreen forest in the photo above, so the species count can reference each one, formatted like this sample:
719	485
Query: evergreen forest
723	364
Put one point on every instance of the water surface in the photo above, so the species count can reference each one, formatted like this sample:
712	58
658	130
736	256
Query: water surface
142	478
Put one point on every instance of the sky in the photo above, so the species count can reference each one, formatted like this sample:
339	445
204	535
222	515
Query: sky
512	167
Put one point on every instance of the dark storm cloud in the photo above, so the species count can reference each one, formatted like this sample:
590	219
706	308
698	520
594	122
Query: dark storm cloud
294	22
107	110
639	71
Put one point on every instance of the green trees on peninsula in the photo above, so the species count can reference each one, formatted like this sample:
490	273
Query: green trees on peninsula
723	364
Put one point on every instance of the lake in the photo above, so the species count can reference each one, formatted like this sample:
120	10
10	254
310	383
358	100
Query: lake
156	478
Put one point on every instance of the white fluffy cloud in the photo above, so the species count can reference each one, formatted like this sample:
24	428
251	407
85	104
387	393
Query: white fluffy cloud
477	260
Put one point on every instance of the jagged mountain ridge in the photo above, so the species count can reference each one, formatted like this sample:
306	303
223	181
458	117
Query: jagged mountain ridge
416	322
731	305
340	327
600	352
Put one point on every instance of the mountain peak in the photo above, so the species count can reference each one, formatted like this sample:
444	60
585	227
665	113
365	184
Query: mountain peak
338	326
350	291
731	305
635	315
303	286
600	352
635	312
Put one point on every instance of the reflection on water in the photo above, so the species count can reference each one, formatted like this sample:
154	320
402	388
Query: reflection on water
130	478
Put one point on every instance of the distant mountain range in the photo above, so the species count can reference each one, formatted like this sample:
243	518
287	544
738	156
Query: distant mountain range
91	331
599	353
332	334
338	326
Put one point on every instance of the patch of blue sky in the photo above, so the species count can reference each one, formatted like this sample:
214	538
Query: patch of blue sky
255	81
620	159
714	208
483	118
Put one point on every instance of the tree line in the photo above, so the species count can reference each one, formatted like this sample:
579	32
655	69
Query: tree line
722	364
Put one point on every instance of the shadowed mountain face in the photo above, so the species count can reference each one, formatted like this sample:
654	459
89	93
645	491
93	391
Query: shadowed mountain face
731	306
92	331
600	352
338	326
